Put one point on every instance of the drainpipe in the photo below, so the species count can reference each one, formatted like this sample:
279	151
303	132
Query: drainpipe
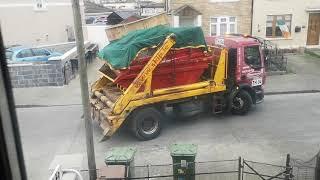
252	3
167	5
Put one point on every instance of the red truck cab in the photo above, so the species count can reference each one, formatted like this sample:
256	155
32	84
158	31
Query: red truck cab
246	70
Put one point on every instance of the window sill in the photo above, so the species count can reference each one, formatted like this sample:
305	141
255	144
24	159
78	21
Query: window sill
278	38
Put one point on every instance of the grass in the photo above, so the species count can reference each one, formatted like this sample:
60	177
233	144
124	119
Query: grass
312	53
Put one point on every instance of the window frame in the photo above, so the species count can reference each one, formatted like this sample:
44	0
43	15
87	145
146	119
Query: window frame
274	24
218	24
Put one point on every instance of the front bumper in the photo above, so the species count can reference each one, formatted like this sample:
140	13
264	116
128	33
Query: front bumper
259	93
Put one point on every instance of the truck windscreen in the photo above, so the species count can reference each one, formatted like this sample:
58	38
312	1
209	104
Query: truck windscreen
252	56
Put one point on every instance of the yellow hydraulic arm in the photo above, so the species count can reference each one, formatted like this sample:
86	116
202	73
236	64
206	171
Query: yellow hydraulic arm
145	76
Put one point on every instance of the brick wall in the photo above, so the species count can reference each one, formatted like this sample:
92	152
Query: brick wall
241	9
36	74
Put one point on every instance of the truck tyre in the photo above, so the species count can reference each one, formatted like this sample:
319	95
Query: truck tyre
241	103
146	123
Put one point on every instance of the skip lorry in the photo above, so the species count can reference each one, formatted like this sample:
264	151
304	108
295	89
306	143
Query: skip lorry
226	73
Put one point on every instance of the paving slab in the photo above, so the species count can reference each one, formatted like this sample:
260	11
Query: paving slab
306	73
52	95
67	161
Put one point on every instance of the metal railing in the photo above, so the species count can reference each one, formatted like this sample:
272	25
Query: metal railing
234	169
275	59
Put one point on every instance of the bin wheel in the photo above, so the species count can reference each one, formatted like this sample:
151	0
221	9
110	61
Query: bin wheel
146	123
241	103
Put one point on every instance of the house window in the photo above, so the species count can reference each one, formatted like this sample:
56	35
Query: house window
278	25
223	25
40	5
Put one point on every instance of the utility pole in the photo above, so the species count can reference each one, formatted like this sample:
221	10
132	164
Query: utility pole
84	89
288	168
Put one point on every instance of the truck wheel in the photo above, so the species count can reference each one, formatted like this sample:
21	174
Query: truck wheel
241	103
146	123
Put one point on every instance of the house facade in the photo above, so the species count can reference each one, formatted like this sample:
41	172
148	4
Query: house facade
287	23
36	22
216	17
151	9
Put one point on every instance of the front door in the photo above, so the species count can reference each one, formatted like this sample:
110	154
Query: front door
313	29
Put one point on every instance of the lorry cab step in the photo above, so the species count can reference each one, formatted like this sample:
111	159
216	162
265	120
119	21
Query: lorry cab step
218	104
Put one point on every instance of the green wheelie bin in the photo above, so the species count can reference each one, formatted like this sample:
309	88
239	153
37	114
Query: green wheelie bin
122	156
183	157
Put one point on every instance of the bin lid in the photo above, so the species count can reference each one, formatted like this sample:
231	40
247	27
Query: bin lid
183	150
121	154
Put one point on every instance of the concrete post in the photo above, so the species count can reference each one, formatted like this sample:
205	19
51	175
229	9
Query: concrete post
317	169
84	89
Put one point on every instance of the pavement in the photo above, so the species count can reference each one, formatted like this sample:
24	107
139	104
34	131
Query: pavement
305	73
313	51
56	95
266	134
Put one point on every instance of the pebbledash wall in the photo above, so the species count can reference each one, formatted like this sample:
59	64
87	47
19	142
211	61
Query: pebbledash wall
37	74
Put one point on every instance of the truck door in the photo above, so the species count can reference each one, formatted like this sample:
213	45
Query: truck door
252	71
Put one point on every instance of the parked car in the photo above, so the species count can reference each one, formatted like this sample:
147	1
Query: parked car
90	20
101	20
26	54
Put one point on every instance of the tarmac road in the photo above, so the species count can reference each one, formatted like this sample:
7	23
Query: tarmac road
281	124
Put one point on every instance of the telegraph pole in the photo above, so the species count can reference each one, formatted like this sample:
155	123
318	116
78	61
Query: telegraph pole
84	89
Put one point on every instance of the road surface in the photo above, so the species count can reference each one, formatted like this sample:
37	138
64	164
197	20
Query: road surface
281	124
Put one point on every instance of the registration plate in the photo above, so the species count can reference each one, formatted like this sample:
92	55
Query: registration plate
257	82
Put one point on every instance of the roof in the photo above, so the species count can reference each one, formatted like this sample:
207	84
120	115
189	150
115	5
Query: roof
125	14
153	5
117	1
186	6
145	2
90	7
118	16
15	48
131	19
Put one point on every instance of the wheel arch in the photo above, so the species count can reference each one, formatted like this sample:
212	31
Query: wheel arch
250	90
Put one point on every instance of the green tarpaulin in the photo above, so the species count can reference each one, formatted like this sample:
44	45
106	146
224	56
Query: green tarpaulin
119	53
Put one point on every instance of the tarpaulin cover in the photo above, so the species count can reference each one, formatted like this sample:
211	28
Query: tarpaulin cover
119	53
